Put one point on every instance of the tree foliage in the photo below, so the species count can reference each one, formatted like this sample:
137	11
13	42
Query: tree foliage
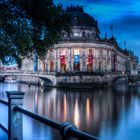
30	24
14	29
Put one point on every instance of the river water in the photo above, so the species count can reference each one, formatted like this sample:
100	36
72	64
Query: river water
110	114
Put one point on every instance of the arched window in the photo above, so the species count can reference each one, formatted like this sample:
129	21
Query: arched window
90	61
76	65
51	66
84	34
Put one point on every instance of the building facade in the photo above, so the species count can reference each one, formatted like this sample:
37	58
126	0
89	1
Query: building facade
83	50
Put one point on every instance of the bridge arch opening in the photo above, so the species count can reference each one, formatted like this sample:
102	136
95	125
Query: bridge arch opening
118	80
46	81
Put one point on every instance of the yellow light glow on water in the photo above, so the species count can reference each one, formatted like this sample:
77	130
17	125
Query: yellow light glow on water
88	110
76	114
65	108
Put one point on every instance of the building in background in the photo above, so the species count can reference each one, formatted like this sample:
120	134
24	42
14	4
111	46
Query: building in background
83	50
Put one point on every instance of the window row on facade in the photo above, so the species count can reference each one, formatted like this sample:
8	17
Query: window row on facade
89	59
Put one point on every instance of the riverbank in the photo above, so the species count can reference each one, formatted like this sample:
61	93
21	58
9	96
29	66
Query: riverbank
76	85
73	81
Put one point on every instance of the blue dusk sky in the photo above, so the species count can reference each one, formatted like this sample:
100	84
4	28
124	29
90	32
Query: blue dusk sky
124	15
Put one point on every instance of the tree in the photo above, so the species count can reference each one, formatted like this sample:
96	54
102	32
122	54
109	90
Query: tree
30	24
14	31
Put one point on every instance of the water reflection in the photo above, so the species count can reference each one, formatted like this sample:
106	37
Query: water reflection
76	116
88	111
65	108
109	114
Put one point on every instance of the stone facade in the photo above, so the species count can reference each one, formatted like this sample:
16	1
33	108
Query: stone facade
94	56
84	50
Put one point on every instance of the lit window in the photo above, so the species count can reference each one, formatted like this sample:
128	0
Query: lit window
63	52
75	34
90	52
76	51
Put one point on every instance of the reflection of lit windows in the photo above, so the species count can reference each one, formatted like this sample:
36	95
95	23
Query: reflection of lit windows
88	110
65	108
76	114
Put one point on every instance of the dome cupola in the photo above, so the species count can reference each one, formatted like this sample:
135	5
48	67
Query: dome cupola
83	25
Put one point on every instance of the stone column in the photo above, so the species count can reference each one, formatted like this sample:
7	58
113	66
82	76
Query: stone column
15	124
83	59
70	58
56	58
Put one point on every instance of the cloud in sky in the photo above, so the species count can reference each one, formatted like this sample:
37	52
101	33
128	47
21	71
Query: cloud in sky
123	14
106	9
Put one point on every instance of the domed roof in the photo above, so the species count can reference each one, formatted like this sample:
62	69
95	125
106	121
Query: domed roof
79	18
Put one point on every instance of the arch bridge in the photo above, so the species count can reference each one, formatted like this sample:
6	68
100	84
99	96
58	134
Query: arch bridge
49	80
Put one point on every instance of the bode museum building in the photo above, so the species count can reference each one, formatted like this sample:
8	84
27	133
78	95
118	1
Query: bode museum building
83	50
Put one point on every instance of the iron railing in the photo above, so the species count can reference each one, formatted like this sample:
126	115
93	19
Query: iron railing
66	129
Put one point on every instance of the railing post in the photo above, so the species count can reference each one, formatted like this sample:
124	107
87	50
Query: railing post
65	127
15	98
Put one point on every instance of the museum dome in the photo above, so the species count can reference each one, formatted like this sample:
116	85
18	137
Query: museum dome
79	18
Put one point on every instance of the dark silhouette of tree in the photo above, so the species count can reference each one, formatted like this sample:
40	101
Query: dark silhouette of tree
28	25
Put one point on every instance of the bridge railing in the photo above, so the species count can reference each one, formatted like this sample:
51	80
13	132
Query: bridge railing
65	73
26	72
15	125
2	126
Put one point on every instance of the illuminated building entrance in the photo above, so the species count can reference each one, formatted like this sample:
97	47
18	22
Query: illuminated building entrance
51	66
89	67
63	61
76	65
90	61
43	65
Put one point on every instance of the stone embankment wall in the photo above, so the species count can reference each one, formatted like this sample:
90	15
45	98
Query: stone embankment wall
28	80
74	81
88	81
